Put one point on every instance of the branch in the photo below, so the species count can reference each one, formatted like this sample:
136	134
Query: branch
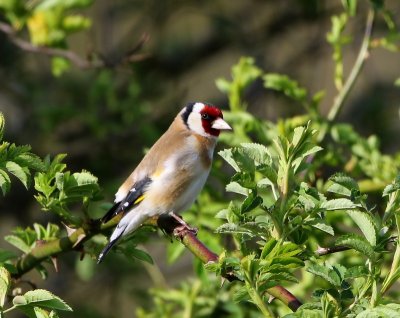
321	251
77	237
82	63
351	79
359	63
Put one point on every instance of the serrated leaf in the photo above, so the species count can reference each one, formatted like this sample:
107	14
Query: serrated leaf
309	313
241	294
85	177
41	298
391	310
356	271
326	273
18	172
236	188
339	204
281	276
5	181
258	153
265	183
321	225
289	249
226	154
5	280
250	203
342	184
30	160
357	243
268	248
18	243
366	223
395	186
287	262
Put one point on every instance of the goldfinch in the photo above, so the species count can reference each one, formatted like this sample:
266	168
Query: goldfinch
171	174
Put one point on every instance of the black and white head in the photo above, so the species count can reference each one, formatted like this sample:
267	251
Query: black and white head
204	119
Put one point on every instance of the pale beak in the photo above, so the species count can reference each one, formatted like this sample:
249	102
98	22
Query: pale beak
220	124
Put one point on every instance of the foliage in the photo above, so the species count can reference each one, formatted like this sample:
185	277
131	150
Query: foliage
49	23
311	204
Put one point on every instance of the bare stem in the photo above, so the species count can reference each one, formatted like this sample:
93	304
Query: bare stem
82	63
355	72
330	250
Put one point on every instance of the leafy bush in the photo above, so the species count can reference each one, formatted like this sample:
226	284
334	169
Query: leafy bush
331	238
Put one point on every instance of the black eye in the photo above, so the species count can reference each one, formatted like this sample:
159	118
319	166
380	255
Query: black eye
205	116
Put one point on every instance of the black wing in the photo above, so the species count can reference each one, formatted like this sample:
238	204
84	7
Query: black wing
134	197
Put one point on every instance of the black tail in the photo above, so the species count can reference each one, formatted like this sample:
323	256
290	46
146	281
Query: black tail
108	247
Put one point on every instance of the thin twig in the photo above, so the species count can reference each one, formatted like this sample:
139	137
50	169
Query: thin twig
351	79
330	250
82	63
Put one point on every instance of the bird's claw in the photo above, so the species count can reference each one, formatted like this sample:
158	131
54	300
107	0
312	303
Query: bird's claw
181	230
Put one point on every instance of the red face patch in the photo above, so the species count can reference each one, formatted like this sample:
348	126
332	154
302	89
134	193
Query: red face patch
208	115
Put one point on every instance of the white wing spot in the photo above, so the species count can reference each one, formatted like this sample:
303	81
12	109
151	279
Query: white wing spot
132	190
126	203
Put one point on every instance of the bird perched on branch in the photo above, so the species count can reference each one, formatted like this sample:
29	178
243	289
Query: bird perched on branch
171	174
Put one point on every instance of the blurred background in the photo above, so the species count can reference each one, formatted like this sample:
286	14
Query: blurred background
104	118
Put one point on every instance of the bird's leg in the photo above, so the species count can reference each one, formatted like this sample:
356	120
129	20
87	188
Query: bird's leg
183	228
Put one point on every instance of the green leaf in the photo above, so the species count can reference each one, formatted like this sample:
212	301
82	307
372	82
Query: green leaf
6	255
31	161
236	188
309	313
357	243
326	273
356	271
321	225
258	153
338	204
266	183
17	171
241	294
394	186
366	223
5	281
329	304
226	154
298	135
18	243
41	298
284	84
342	184
268	248
5	182
390	310
250	203
142	255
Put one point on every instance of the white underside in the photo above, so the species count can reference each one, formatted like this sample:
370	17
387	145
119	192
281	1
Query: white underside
188	160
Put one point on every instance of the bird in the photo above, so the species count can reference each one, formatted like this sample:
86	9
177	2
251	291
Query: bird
171	174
